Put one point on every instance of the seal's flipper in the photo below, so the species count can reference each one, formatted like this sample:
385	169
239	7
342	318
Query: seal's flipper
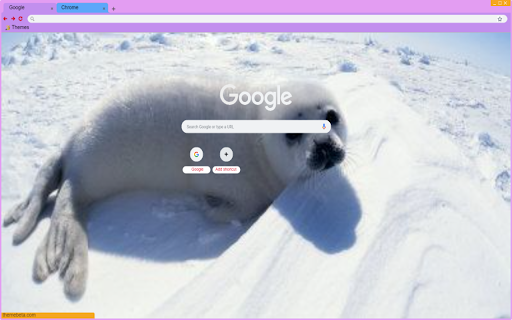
65	247
26	213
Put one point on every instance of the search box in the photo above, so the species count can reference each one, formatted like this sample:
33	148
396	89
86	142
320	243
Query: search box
280	18
256	126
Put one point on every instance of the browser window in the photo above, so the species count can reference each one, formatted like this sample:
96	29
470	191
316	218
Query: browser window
255	160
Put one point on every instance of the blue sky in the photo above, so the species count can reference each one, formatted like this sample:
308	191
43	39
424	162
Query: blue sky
489	50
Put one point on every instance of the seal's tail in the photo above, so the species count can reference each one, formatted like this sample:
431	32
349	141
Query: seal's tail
26	213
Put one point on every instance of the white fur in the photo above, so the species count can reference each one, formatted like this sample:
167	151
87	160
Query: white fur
134	141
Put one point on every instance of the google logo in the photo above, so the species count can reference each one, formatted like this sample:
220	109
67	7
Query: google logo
196	154
271	98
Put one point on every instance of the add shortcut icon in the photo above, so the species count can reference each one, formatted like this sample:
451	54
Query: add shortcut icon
196	154
226	154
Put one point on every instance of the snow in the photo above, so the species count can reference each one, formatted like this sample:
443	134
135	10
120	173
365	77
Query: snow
415	224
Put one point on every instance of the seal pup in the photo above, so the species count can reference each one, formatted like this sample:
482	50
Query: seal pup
134	141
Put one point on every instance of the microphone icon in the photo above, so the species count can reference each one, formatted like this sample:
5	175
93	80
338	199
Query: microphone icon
323	126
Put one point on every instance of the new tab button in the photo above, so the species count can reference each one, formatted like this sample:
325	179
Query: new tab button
82	7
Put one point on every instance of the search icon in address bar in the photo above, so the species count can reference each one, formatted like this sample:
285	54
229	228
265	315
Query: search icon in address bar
280	18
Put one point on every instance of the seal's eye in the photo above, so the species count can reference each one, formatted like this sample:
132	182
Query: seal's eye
332	117
293	136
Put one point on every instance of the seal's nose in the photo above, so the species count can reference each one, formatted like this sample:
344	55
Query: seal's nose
334	154
327	155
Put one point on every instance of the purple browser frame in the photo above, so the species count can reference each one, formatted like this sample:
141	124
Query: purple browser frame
263	7
164	8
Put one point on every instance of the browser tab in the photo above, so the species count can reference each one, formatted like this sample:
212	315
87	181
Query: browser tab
82	7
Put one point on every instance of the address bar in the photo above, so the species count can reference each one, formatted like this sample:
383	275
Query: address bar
256	126
252	18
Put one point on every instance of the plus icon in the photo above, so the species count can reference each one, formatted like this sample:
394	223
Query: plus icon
226	154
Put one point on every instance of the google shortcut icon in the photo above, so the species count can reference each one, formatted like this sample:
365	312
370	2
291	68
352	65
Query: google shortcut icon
196	154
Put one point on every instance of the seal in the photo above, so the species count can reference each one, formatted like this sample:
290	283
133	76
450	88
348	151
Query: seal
133	141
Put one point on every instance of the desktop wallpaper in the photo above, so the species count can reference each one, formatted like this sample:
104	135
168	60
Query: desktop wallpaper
425	190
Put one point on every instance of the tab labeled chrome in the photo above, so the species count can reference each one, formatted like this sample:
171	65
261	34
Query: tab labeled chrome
82	7
256	126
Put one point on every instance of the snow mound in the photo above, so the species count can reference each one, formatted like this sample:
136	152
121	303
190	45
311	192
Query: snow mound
348	66
254	46
370	42
404	59
503	184
47	47
228	44
465	103
125	45
425	59
405	51
285	37
486	140
160	38
277	50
